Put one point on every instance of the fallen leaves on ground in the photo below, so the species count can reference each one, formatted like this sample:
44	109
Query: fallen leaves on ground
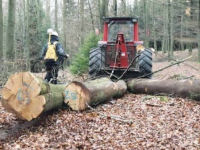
174	124
158	122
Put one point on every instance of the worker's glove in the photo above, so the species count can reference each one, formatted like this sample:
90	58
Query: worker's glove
66	55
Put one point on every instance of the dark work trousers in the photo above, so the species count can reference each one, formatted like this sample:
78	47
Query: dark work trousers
52	69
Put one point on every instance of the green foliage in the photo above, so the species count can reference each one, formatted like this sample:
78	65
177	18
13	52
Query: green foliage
80	62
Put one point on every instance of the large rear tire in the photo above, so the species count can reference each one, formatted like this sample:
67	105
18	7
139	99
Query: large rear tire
145	63
96	61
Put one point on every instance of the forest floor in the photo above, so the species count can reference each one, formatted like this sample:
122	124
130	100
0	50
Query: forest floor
158	122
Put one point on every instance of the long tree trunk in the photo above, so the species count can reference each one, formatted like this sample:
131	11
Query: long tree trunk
1	30
115	7
180	88
11	29
103	8
32	28
154	28
79	95
136	9
48	10
199	32
56	15
146	39
28	96
165	33
91	15
181	34
64	15
170	29
123	7
82	4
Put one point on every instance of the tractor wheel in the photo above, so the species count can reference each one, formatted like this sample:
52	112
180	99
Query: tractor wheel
145	63
96	61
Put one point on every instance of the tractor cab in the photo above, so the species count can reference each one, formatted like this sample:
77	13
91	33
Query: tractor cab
120	50
126	26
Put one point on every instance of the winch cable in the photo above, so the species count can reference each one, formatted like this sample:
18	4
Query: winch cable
125	71
116	55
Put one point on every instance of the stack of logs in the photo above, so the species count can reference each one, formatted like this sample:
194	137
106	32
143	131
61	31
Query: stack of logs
28	96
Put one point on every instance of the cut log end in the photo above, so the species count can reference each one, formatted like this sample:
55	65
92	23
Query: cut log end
21	95
77	96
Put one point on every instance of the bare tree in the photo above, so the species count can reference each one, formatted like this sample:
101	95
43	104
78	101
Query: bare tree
103	8
170	29
146	40
82	4
56	15
123	2
91	15
48	11
115	7
1	30
11	29
32	28
154	26
64	14
199	31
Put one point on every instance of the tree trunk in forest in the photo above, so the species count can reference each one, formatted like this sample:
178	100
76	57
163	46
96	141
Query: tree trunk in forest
28	96
32	28
181	34
170	26
135	8
154	28
64	15
123	7
115	7
25	15
79	95
10	30
48	9
91	15
99	13
165	33
103	11
56	15
82	4
1	30
146	39
180	88
199	33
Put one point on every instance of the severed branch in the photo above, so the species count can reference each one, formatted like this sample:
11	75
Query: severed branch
178	62
186	64
173	59
118	118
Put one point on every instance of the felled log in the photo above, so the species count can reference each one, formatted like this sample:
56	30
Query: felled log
179	88
81	95
28	96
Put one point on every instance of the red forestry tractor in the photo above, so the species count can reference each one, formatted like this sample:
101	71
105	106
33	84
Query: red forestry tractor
120	54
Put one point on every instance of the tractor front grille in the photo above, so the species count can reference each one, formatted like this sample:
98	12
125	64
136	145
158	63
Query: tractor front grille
110	54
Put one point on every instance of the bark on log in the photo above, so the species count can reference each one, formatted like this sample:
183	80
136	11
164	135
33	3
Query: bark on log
28	96
79	95
180	88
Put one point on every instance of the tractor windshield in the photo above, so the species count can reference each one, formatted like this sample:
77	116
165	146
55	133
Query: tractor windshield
115	27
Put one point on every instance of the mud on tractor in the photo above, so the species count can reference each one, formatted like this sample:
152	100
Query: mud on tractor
120	54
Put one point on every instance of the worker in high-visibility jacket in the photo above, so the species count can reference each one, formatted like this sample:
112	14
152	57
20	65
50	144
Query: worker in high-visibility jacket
53	55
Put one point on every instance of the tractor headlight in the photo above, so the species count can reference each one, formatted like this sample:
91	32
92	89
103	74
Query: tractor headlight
140	47
101	43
